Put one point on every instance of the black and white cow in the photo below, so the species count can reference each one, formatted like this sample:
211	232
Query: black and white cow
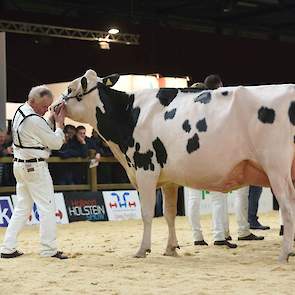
215	140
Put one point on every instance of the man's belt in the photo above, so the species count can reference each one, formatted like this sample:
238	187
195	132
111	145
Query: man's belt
29	161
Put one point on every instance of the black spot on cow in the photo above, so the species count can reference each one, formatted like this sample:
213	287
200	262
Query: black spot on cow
131	142
204	97
120	118
193	144
225	93
143	160
266	115
191	90
186	126
161	153
291	112
202	125
294	139
128	161
170	114
166	95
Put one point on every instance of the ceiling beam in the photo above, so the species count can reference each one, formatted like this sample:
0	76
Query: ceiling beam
68	33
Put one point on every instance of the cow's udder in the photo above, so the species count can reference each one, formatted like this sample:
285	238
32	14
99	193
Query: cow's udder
245	173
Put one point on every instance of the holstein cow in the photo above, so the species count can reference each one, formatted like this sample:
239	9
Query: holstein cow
215	140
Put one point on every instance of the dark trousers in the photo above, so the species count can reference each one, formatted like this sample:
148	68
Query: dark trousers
254	196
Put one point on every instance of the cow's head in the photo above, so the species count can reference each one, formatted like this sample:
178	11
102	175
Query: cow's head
81	98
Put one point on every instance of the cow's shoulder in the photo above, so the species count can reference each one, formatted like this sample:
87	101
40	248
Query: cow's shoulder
119	118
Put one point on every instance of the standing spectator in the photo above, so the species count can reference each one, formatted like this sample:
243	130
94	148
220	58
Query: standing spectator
75	143
82	142
104	174
220	220
62	173
5	145
6	176
254	196
70	132
74	146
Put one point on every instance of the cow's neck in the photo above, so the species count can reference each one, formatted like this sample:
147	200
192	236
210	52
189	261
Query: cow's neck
117	120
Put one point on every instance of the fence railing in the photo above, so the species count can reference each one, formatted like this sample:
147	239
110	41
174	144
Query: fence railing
91	184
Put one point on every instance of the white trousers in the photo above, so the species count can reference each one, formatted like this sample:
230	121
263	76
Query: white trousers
220	219
194	213
34	184
241	208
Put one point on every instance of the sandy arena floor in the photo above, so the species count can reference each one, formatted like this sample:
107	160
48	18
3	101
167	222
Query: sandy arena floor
102	263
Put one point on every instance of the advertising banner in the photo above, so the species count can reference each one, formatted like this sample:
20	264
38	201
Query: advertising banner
122	205
6	210
85	206
60	213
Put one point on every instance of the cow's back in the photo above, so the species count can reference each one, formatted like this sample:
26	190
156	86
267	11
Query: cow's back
207	134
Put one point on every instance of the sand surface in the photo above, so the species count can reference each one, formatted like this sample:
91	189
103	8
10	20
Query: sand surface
102	262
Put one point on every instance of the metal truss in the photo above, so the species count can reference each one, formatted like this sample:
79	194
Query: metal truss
68	33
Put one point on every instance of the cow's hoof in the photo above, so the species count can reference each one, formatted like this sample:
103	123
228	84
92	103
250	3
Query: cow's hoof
291	254
142	253
283	259
171	252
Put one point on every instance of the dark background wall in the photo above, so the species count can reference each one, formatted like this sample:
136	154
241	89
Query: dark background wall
35	60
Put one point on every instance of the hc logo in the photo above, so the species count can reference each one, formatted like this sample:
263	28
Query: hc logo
5	211
122	201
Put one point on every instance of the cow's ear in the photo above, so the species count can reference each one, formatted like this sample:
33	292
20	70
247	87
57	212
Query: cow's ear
110	80
84	83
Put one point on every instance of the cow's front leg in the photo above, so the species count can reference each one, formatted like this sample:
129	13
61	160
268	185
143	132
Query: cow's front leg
147	193
170	209
287	206
285	194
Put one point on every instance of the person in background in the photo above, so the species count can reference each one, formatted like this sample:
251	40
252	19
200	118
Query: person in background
220	219
5	144
254	196
6	175
70	132
95	142
74	146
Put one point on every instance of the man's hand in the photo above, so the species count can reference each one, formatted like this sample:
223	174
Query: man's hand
51	115
97	157
9	150
59	115
80	138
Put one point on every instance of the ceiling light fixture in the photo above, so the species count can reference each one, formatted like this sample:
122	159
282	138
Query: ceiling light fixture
113	31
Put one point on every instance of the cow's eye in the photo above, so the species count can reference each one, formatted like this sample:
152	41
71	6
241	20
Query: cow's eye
69	90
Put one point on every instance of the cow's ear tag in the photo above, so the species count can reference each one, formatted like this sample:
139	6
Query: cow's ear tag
84	83
111	80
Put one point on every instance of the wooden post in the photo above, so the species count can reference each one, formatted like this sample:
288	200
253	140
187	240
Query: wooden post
92	175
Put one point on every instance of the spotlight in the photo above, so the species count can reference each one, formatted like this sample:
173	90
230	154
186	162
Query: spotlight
113	31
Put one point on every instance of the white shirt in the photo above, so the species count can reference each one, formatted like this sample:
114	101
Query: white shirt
34	132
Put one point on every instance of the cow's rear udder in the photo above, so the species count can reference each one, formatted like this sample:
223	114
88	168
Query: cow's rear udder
245	173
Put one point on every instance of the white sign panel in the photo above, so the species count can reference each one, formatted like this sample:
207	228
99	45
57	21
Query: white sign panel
122	205
6	210
60	213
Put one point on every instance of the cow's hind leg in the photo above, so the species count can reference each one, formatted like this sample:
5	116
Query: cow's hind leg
147	193
170	209
284	190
